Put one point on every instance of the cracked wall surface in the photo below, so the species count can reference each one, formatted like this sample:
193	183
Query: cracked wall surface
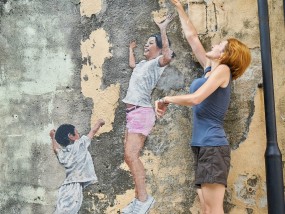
67	62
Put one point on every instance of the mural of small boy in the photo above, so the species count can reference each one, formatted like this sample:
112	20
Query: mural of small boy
72	152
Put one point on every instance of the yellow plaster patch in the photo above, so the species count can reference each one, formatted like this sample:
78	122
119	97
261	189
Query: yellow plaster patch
124	166
90	7
246	162
96	51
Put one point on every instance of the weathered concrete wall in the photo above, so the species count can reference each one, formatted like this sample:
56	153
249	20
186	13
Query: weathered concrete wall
67	62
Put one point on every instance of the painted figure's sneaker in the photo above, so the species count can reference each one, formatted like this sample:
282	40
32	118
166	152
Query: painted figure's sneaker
143	207
129	208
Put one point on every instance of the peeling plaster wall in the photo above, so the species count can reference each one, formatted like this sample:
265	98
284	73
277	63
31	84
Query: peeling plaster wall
67	62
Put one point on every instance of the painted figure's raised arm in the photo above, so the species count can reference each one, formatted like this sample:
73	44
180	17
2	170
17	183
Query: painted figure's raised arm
166	52
132	59
95	128
55	145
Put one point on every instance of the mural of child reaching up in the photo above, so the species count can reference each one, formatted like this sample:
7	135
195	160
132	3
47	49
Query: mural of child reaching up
72	152
140	115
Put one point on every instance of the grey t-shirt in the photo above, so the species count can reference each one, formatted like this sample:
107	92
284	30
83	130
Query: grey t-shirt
143	80
77	162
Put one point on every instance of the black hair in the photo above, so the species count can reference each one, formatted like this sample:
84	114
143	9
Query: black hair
158	41
61	134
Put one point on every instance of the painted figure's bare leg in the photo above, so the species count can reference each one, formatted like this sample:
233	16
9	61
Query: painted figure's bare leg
133	144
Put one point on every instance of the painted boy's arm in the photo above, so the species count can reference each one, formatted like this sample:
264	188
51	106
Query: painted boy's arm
55	146
95	128
132	59
166	52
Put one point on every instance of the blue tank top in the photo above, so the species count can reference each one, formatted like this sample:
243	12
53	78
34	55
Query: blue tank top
208	116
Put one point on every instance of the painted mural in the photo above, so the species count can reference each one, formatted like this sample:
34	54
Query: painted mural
68	62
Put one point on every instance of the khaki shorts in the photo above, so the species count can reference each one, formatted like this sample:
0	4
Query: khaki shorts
212	164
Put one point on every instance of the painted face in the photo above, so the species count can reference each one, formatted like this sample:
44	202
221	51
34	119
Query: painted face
217	50
151	50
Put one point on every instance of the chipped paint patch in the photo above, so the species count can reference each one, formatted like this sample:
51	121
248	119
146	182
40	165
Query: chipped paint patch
124	166
95	51
90	7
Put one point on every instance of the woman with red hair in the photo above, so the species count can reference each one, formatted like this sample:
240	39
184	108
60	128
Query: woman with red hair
210	98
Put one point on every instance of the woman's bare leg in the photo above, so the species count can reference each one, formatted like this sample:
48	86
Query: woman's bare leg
213	195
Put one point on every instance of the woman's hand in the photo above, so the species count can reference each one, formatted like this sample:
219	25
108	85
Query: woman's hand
177	3
160	107
163	24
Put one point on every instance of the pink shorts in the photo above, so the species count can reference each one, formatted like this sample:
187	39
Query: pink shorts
141	120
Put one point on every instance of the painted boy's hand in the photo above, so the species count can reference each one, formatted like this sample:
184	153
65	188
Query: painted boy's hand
96	127
52	133
55	145
101	122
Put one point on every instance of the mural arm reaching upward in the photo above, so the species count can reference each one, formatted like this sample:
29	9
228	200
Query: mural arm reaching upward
55	145
165	51
132	59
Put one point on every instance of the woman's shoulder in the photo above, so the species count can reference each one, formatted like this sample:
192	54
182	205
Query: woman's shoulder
224	66
221	69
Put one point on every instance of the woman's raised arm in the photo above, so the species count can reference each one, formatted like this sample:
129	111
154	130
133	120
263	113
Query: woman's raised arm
191	34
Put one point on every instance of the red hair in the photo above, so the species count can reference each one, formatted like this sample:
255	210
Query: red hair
237	56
